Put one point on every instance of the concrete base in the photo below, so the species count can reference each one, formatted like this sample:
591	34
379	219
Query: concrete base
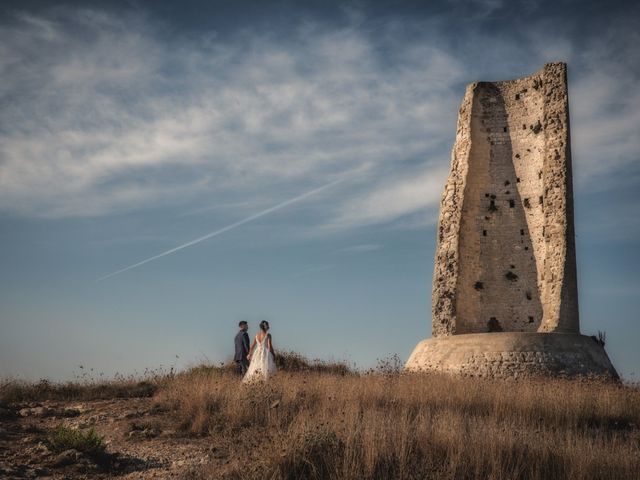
507	354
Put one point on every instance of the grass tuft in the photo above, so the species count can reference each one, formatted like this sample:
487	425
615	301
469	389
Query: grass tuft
89	442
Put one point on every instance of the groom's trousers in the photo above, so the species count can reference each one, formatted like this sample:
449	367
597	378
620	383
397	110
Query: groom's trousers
241	366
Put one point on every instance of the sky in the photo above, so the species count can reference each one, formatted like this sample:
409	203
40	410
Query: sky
298	152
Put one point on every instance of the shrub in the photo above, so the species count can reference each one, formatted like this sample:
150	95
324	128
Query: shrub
294	362
89	442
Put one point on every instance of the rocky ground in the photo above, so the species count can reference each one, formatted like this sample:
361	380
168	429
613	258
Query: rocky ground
139	438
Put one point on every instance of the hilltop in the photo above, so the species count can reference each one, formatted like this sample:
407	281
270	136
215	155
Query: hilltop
319	420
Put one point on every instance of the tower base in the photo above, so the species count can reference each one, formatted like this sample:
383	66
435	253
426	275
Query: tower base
510	355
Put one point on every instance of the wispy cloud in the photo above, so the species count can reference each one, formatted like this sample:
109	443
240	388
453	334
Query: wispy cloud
412	193
105	116
102	114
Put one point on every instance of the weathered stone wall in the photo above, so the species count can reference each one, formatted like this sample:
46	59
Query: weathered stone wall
505	259
560	287
511	354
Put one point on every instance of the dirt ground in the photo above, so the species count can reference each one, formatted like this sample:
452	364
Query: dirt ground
140	442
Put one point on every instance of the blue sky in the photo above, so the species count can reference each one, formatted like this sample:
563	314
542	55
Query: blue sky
130	128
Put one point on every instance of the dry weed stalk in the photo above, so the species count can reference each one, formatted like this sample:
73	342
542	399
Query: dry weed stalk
384	425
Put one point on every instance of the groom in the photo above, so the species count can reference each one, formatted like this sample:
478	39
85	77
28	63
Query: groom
242	348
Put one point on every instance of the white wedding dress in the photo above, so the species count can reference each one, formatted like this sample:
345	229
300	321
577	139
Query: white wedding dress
262	365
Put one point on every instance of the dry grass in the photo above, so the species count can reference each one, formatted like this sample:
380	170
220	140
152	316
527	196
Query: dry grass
16	391
381	426
319	420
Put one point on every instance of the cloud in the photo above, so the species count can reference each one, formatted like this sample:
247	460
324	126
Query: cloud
415	193
605	108
107	113
104	116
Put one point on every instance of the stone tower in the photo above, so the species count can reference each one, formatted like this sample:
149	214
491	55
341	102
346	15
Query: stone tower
505	296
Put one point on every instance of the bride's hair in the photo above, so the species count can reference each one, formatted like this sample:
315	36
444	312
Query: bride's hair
264	325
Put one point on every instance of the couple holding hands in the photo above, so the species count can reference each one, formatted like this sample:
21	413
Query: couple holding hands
255	361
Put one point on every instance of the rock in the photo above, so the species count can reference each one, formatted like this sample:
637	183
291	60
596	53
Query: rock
66	458
151	432
42	449
41	411
36	412
92	420
135	414
81	408
69	412
144	433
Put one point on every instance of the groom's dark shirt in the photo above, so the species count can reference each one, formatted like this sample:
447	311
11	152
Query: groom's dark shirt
242	346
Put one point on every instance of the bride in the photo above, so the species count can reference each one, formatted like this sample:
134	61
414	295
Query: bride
261	356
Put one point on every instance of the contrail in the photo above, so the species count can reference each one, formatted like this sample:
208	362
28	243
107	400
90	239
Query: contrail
224	229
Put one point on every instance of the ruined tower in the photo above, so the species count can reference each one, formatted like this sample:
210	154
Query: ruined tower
505	296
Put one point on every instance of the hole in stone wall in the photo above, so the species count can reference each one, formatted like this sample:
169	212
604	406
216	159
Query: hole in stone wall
512	266
526	248
524	127
507	182
517	155
540	199
486	195
512	203
492	206
504	129
512	277
527	204
528	294
484	233
493	197
522	231
493	325
530	319
517	96
486	218
478	285
517	179
540	174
